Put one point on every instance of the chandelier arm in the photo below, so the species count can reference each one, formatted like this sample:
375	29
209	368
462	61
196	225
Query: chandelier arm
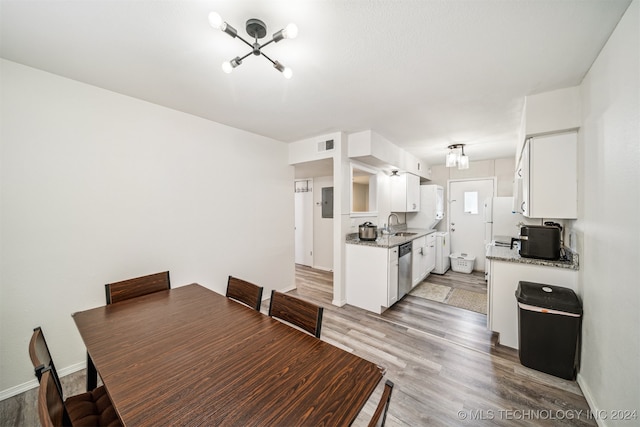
246	42
270	60
244	57
269	42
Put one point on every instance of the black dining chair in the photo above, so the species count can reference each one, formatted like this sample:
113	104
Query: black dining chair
303	314
92	408
245	292
380	414
136	287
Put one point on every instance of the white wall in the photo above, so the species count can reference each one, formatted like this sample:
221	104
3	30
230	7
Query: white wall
98	187
608	230
502	169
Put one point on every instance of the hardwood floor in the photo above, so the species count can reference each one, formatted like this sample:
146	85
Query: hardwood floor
444	363
473	281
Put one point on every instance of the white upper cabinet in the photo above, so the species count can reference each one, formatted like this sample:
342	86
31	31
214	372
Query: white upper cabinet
405	193
549	176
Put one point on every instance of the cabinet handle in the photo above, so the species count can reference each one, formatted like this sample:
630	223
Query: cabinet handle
522	207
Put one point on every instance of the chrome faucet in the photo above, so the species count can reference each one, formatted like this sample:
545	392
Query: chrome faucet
389	221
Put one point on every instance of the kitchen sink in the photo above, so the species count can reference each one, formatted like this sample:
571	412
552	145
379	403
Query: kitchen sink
404	234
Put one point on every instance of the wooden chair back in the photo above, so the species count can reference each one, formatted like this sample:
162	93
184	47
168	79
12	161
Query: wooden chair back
50	404
380	414
41	357
244	292
89	408
131	288
298	312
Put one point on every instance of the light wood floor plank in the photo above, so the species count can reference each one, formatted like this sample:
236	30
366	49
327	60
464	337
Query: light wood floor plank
443	360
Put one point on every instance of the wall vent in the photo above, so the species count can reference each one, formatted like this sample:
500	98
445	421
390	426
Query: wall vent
325	145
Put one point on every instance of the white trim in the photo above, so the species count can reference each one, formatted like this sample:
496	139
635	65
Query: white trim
338	303
586	392
21	388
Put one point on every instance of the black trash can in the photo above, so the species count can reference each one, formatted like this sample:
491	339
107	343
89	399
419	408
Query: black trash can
549	320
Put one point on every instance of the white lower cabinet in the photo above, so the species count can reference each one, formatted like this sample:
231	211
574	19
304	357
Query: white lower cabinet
423	252
418	252
503	282
371	277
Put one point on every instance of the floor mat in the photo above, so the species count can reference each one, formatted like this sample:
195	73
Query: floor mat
468	300
431	291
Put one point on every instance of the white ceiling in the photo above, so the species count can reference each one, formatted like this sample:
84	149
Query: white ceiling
422	73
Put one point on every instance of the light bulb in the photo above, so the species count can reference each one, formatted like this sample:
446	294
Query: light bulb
290	31
287	73
463	163
451	159
226	67
215	20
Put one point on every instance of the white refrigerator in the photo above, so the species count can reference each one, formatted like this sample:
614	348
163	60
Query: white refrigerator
501	222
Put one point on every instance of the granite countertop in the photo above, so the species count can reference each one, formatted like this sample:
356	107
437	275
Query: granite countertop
389	240
500	253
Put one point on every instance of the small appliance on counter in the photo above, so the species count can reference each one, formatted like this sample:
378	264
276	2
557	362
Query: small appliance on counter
539	241
368	231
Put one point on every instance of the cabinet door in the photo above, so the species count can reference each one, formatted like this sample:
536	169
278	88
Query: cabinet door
392	280
405	193
417	260
413	193
526	178
430	257
398	193
553	176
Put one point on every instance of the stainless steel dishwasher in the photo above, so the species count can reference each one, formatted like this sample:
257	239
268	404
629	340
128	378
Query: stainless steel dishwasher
404	270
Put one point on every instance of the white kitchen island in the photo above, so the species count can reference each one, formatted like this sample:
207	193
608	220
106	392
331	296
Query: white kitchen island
506	268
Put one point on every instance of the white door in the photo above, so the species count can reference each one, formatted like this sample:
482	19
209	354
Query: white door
466	217
304	228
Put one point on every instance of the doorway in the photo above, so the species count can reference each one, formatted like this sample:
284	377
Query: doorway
466	216
303	226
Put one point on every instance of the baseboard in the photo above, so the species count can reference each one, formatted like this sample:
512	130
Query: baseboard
586	391
317	267
285	290
21	388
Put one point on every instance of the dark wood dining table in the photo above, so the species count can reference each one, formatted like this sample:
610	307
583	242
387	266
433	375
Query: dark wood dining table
190	356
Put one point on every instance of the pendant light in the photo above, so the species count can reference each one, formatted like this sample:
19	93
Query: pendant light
456	157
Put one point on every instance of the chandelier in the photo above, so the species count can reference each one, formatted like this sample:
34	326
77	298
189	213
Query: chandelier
456	157
256	29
